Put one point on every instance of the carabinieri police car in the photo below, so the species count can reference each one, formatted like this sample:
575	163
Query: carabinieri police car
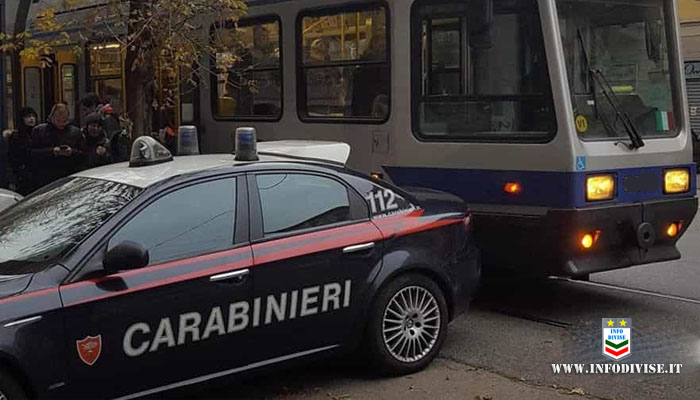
130	280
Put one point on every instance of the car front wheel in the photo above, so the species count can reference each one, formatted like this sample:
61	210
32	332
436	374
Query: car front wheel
407	326
10	389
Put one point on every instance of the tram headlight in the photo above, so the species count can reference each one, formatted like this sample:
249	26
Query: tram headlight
676	181
600	187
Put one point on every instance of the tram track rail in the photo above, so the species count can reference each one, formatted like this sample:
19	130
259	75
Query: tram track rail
626	290
532	317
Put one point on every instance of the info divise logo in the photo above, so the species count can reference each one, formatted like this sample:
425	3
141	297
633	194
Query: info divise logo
617	337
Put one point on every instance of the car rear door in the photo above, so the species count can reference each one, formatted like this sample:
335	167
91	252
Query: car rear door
315	252
178	319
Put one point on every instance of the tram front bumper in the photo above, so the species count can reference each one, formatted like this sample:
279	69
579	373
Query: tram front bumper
551	244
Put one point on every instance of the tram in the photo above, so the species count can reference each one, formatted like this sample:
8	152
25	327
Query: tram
562	123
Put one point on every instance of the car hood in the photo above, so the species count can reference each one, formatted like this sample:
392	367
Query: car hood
437	202
14	284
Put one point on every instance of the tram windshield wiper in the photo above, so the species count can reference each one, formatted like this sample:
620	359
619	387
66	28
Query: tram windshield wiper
612	98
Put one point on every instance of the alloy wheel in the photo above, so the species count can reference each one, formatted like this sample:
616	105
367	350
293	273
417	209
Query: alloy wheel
411	324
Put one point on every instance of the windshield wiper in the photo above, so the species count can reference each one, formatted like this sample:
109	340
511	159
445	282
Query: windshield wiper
613	99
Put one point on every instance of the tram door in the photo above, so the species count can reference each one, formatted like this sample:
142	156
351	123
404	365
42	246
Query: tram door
67	82
38	83
106	71
177	95
51	79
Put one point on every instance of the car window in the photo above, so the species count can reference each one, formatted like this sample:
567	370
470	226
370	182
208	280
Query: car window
192	221
381	200
292	202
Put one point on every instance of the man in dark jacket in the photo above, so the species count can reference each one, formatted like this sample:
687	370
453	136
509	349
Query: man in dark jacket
19	151
4	136
98	147
121	146
58	149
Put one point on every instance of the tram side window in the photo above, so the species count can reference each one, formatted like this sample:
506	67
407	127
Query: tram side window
480	71
248	70
344	71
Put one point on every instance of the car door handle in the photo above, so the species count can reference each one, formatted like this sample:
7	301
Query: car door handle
358	248
238	276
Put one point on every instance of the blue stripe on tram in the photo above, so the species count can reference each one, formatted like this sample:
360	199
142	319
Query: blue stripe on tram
539	188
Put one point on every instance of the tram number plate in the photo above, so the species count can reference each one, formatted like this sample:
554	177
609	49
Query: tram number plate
644	183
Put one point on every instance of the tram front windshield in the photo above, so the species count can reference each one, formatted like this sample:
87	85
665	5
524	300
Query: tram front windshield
618	61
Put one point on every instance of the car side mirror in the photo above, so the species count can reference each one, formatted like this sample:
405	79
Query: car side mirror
124	256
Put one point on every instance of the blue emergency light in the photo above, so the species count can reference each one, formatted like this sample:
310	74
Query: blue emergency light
246	144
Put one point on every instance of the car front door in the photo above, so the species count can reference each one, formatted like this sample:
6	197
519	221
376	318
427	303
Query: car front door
314	252
178	319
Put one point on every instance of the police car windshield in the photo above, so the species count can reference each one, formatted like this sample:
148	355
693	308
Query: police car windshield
52	221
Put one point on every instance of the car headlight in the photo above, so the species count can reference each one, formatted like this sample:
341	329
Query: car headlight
600	187
676	181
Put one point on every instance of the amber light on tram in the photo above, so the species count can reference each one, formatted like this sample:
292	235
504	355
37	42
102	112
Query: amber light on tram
674	229
588	240
676	181
377	176
513	188
600	187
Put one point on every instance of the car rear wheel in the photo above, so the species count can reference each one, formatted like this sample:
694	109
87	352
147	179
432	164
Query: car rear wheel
10	389
407	325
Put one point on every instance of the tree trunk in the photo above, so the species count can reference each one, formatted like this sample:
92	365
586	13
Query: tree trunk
139	75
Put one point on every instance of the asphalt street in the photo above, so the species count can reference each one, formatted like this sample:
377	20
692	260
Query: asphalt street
504	348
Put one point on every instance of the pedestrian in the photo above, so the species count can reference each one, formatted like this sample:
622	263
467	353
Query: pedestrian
98	149
57	148
118	138
4	137
19	151
90	103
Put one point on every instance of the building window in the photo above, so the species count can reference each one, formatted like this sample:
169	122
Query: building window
9	94
248	67
33	85
480	72
344	64
106	74
69	87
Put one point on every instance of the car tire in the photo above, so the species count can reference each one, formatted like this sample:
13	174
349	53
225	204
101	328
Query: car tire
10	389
407	325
